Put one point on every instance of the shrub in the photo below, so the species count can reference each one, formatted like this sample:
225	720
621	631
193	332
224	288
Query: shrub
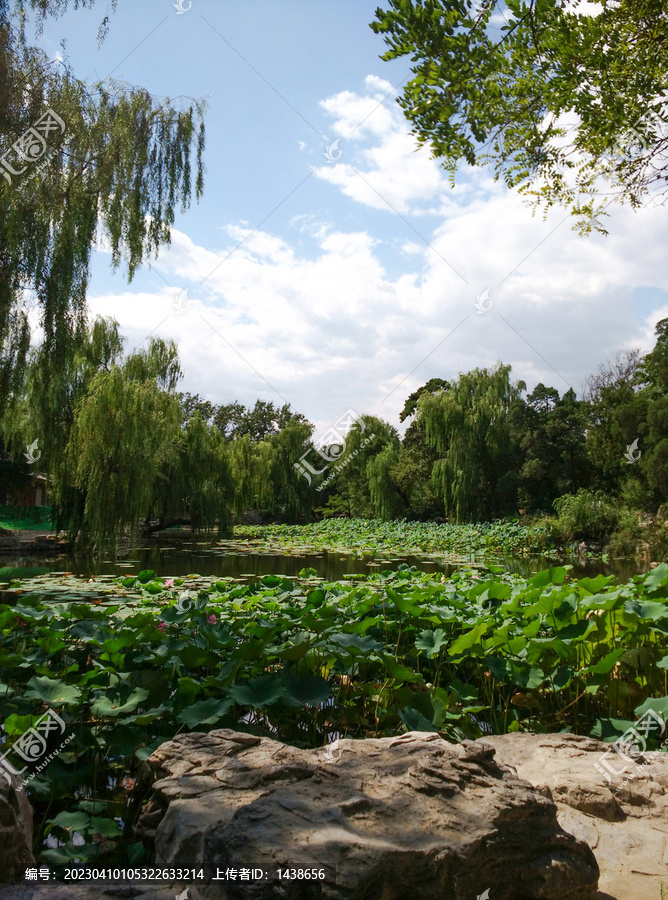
587	515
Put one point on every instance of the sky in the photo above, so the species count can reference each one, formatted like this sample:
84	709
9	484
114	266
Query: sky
330	263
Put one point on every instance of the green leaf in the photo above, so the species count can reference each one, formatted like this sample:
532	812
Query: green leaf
353	642
92	806
548	576
463	692
106	827
595	585
658	704
415	721
147	717
608	730
206	712
607	664
467	640
306	690
400	673
52	692
146	575
431	641
524	675
106	706
260	692
57	857
657	578
70	821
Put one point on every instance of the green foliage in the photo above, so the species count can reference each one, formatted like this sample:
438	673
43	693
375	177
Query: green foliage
587	515
358	477
27	518
480	97
121	169
399	537
124	432
468	424
465	656
628	404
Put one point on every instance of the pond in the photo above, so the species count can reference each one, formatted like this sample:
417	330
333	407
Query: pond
181	553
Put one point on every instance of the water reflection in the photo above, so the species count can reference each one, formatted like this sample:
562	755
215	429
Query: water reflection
184	556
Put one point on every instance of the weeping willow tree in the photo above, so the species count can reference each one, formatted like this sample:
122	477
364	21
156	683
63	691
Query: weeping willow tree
125	433
250	465
468	424
77	162
196	488
350	474
94	348
387	500
293	496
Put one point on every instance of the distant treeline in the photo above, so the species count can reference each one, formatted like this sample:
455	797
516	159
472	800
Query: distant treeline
122	447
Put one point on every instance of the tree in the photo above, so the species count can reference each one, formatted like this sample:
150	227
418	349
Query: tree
549	431
620	370
43	404
259	423
228	419
561	98
195	486
433	386
125	432
627	438
469	427
250	465
356	477
386	496
653	375
292	494
112	162
411	470
653	372
192	405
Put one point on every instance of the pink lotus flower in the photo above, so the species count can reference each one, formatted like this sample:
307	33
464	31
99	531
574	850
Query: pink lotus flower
212	619
168	582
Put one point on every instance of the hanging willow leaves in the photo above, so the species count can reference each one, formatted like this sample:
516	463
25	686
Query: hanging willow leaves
119	164
468	424
125	431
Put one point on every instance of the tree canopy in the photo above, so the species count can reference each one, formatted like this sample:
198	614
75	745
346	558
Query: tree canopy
566	101
78	162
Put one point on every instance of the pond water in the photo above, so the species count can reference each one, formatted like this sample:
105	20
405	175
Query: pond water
183	554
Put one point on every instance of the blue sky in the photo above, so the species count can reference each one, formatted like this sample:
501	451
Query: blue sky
346	283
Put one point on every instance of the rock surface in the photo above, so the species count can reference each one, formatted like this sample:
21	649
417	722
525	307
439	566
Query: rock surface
15	831
624	819
397	813
413	816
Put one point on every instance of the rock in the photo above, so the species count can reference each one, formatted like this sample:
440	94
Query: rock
58	891
624	822
413	816
15	831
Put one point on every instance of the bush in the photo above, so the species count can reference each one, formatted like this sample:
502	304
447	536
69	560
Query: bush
627	536
587	515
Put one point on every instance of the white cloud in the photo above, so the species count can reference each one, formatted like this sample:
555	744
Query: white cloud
339	325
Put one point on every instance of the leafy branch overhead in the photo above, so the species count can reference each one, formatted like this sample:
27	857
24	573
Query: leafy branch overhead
565	101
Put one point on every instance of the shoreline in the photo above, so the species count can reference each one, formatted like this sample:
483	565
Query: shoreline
37	541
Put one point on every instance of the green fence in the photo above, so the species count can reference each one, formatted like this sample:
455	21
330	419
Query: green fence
27	517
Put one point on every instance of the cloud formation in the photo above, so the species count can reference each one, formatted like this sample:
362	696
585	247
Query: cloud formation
331	317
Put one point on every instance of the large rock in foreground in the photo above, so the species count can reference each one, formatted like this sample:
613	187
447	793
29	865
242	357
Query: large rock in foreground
413	816
15	830
624	818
